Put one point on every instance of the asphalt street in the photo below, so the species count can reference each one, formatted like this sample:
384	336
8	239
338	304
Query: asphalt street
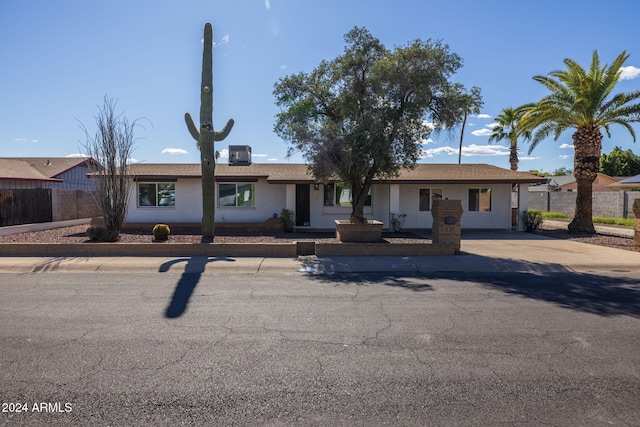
201	347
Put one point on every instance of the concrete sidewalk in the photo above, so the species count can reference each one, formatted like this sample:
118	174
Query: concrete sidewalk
482	252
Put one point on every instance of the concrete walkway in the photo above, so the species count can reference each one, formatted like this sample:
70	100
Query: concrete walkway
482	252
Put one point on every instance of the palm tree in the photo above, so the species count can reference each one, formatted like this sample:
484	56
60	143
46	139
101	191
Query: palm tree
508	128
470	104
582	100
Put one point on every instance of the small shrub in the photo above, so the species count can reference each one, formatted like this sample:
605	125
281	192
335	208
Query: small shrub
288	220
101	234
532	219
397	222
161	231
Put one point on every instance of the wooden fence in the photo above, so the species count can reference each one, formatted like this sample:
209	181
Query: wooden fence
25	206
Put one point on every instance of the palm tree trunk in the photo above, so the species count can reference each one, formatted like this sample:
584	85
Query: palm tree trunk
513	155
588	143
464	122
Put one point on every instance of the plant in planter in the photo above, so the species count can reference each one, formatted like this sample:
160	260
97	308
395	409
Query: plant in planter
357	118
161	231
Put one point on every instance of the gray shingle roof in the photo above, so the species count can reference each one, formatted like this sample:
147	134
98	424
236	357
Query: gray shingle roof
37	168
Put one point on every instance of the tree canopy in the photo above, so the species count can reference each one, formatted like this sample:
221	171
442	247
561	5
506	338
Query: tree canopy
620	163
365	114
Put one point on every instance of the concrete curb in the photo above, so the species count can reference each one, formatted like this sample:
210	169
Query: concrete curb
267	250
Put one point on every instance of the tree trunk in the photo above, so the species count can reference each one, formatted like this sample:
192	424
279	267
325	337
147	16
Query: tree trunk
358	199
587	141
513	155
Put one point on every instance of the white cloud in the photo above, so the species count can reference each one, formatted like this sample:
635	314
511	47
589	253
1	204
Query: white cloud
485	150
567	146
225	40
431	152
524	158
76	155
492	125
259	155
132	160
483	116
272	159
629	73
481	132
430	125
468	151
224	153
564	156
174	151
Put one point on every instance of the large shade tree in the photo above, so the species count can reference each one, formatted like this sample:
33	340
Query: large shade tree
363	115
620	162
508	128
582	100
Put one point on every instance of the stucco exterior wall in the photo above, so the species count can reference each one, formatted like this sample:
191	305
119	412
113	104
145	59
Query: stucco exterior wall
269	199
272	198
498	218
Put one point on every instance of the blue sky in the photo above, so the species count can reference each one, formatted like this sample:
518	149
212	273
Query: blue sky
59	59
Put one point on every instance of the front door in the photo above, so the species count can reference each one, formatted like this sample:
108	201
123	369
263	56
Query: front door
303	208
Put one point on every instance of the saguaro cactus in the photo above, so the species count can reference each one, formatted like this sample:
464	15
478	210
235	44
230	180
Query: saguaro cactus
205	136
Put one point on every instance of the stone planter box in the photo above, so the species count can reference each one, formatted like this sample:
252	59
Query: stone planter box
351	232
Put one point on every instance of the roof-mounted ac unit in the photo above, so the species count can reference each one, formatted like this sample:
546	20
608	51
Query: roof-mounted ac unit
239	155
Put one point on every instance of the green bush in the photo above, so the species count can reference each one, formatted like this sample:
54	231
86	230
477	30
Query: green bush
533	219
288	220
101	234
161	231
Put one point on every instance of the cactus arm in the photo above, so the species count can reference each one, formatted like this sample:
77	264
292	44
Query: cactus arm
220	135
193	130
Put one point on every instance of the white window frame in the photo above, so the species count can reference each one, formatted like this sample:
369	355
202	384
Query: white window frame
334	198
157	192
252	197
478	207
432	195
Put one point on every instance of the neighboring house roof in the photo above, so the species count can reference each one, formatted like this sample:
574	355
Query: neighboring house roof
38	168
633	182
568	182
298	173
556	182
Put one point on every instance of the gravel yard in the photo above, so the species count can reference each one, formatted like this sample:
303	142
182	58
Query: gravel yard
76	234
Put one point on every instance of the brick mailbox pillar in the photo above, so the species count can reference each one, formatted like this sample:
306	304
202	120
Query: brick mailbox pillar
446	222
636	225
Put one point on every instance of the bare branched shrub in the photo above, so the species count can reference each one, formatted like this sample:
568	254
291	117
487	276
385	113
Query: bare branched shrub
111	147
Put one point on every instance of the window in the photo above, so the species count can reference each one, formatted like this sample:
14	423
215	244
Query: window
335	195
236	195
480	199
156	194
426	197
